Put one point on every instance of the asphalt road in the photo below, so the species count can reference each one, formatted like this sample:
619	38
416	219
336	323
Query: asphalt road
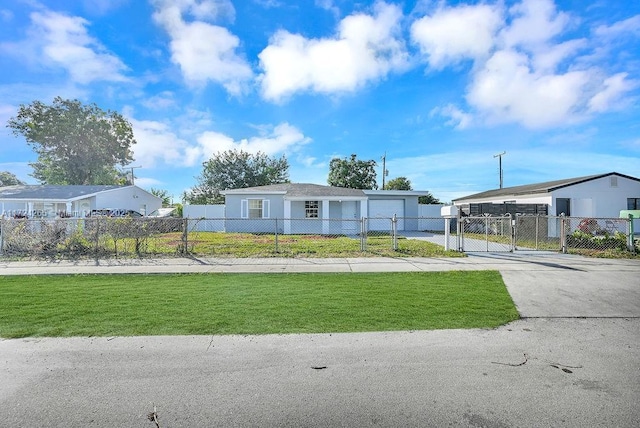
573	361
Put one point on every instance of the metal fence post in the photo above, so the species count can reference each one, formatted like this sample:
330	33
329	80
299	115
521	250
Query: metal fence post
363	234
563	234
185	235
276	235
630	243
394	232
512	232
486	231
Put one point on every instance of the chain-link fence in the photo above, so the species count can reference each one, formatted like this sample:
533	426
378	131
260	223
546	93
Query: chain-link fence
584	235
90	237
104	237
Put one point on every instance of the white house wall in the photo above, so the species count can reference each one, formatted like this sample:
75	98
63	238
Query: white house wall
597	198
430	218
128	198
204	218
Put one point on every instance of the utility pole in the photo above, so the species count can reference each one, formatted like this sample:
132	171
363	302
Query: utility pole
384	168
132	177
499	155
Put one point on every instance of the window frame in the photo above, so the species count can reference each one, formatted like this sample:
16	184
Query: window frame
635	203
312	209
246	210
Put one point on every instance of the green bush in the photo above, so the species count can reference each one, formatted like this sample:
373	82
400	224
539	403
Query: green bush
579	239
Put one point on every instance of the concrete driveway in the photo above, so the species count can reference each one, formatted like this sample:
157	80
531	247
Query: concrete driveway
572	361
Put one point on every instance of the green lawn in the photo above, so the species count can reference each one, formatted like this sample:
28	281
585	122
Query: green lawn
129	305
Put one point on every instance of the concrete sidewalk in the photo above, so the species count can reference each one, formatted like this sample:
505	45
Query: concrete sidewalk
521	261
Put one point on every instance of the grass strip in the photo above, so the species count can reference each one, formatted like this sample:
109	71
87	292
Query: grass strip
194	304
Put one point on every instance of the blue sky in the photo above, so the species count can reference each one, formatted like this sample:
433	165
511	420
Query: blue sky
439	86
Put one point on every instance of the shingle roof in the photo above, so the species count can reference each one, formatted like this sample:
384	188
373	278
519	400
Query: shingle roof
545	187
51	192
299	190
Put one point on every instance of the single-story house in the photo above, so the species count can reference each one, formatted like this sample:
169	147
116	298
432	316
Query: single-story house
312	208
601	195
49	201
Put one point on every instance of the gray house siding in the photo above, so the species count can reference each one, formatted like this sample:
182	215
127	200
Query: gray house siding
339	209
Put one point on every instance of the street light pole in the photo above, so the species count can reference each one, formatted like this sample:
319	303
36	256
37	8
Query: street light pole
499	156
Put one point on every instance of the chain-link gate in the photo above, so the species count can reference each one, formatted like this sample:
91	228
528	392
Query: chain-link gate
485	233
537	233
544	233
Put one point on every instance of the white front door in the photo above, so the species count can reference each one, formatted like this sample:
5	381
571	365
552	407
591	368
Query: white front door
349	217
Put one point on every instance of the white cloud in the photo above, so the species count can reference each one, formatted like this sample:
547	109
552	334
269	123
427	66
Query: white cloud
630	26
613	89
329	6
457	118
160	101
204	52
62	41
156	142
272	140
534	23
451	35
523	71
366	48
506	90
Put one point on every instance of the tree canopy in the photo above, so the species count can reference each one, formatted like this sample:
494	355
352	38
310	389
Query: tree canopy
428	199
162	194
9	179
402	183
352	173
75	143
398	183
236	169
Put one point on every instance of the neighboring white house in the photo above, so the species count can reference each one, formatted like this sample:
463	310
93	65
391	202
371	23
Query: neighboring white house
602	195
312	208
48	201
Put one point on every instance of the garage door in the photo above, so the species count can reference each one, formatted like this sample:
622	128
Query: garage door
384	210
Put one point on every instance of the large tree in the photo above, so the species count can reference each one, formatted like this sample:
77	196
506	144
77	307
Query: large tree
352	173
9	179
236	169
398	183
75	143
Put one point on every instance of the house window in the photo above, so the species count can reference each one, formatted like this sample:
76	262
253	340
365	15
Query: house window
633	203
311	209
255	208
